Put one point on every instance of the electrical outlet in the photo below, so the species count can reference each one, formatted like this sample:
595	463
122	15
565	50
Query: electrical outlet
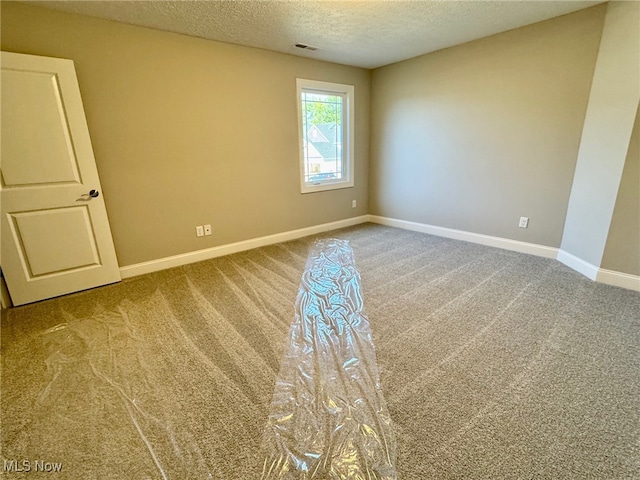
353	204
199	231
524	222
207	229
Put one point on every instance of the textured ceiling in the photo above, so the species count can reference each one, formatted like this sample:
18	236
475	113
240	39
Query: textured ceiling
368	33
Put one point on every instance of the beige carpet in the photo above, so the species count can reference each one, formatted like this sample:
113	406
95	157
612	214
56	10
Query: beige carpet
494	365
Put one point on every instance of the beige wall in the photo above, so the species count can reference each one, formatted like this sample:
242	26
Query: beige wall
188	131
477	135
622	252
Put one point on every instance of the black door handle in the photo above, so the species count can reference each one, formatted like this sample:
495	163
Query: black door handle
94	193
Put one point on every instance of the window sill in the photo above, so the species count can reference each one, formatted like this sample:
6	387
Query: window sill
324	186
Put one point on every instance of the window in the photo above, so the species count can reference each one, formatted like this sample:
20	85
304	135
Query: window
325	119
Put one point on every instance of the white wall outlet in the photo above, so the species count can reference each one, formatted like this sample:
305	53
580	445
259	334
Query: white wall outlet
199	231
524	222
353	204
207	229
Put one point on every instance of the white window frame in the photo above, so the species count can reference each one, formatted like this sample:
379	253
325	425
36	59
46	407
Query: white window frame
347	93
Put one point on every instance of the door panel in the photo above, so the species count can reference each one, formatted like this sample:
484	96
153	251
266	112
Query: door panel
55	235
36	129
44	236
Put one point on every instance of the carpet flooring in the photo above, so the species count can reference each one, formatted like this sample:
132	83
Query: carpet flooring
494	365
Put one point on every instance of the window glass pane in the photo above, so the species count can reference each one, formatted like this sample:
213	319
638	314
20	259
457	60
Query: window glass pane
322	136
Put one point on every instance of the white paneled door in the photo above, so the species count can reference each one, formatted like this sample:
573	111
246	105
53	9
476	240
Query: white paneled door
55	232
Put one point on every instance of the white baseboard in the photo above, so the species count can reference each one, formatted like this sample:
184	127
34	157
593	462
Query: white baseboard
619	279
504	243
610	277
601	275
592	272
579	265
213	252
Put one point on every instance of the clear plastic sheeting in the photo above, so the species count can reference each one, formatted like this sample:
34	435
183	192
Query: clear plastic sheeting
328	418
85	362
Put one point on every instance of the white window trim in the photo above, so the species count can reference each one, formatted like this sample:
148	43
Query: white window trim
347	134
